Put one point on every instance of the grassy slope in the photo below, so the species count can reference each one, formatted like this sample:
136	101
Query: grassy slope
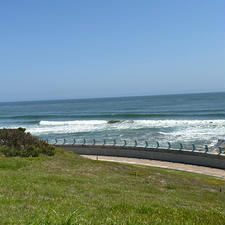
46	190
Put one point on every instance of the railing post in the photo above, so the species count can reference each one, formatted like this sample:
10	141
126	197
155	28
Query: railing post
94	142
193	147
84	141
181	146
169	145
64	141
56	141
206	148
114	142
157	144
135	143
146	144
220	150
125	142
74	141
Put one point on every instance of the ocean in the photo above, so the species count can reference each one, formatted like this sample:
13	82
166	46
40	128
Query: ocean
185	118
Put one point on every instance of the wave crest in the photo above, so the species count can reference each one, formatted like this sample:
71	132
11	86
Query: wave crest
168	126
73	122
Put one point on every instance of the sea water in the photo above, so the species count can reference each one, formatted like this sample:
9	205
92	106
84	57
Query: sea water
186	118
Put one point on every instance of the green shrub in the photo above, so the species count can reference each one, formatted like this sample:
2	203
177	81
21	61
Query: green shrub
16	142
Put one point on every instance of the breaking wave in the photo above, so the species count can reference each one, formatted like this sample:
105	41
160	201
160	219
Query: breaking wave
169	130
131	115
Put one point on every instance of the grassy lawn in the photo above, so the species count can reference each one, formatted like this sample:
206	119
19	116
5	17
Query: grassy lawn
68	189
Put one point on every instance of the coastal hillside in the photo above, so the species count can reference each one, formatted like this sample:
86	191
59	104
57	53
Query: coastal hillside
68	189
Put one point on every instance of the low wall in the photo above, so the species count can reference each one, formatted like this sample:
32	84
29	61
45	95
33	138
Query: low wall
187	157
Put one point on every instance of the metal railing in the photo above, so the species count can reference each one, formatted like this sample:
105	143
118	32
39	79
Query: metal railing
135	144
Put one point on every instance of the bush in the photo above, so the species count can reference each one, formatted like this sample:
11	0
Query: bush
16	142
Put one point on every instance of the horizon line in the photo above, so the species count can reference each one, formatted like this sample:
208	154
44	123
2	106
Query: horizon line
110	97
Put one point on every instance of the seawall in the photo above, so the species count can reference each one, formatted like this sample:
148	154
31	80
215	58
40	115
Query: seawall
170	155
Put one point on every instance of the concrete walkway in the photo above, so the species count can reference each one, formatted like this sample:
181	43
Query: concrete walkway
169	165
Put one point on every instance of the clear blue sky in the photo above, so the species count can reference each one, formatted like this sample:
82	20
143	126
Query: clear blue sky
52	49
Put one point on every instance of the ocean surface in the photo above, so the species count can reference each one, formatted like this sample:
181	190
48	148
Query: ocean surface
188	118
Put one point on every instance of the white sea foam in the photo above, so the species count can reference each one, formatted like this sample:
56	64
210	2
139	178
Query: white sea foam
74	122
170	127
163	130
60	127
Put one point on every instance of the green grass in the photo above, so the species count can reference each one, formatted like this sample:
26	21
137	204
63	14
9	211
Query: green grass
68	189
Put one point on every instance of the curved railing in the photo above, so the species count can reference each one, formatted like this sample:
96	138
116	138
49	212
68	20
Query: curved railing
124	143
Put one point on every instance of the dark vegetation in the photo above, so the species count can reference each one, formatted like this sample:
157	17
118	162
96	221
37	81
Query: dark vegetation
16	142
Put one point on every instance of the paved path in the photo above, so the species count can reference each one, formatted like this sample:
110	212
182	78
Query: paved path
170	165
